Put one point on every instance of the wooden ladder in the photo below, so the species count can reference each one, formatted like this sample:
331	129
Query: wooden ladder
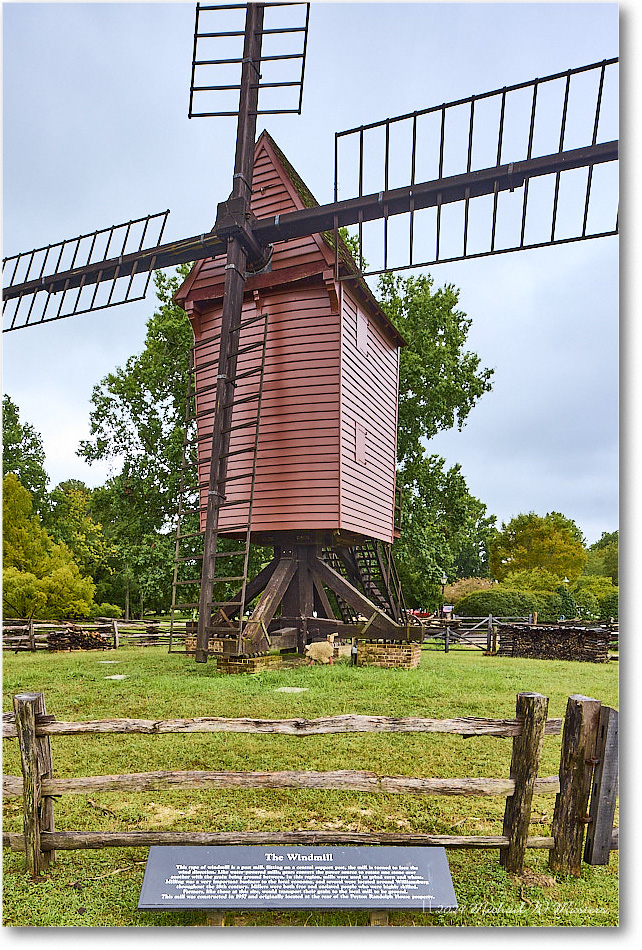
230	544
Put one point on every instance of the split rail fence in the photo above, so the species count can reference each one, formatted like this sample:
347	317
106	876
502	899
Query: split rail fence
32	635
588	772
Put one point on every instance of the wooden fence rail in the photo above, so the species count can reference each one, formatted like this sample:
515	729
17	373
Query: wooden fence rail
582	739
33	635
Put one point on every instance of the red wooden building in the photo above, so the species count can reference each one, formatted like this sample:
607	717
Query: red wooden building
327	437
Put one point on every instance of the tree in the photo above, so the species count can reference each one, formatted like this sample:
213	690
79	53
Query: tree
444	528
23	453
439	380
39	576
603	557
139	411
69	520
138	415
529	542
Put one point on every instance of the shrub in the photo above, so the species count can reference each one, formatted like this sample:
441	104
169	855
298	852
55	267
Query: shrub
608	606
500	601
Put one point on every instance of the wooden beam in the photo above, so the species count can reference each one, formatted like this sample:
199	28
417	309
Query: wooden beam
255	629
576	772
252	589
381	625
604	792
81	840
527	750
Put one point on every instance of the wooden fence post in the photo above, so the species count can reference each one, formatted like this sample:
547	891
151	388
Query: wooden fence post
447	640
114	627
32	637
597	849
576	771
35	754
527	749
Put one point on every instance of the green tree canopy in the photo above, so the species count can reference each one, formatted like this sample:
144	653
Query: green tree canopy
23	453
138	414
603	557
529	541
40	577
439	380
69	520
444	530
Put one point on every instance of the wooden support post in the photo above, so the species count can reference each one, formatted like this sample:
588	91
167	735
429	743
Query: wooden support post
447	640
576	771
114	629
256	627
35	754
321	600
597	849
527	750
382	626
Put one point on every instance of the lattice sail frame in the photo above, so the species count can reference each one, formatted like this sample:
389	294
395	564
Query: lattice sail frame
217	79
563	111
121	285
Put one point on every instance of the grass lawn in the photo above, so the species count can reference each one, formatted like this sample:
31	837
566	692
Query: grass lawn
101	887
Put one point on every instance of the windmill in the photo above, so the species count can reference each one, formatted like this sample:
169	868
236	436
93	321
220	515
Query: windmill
55	274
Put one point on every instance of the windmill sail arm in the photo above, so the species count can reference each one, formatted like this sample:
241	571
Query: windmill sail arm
274	229
138	262
428	194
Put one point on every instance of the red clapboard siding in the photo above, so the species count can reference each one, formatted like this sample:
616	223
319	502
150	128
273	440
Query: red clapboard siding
369	372
297	484
322	385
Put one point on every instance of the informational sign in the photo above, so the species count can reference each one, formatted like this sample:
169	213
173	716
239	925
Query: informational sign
270	878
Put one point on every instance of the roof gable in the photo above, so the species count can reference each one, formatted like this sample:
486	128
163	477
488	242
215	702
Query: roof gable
277	188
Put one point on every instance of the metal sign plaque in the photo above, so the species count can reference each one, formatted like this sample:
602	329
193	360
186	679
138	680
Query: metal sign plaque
270	878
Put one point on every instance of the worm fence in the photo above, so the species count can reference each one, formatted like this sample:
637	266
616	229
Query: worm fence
588	771
102	634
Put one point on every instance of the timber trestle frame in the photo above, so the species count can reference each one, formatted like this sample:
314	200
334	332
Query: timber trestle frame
297	581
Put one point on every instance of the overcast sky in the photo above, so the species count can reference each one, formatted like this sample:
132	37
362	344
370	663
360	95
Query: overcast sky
96	133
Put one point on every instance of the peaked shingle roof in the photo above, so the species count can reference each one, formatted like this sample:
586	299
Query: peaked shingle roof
347	264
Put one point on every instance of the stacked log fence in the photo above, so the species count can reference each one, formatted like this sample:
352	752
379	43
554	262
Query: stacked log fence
587	778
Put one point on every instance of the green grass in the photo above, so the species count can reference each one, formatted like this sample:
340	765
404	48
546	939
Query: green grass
101	887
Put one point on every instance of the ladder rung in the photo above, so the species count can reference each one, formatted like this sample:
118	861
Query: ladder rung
240	501
192	557
244	451
193	534
236	478
239	402
247	373
240	553
220	580
184	606
250	347
243	425
226	603
196	580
